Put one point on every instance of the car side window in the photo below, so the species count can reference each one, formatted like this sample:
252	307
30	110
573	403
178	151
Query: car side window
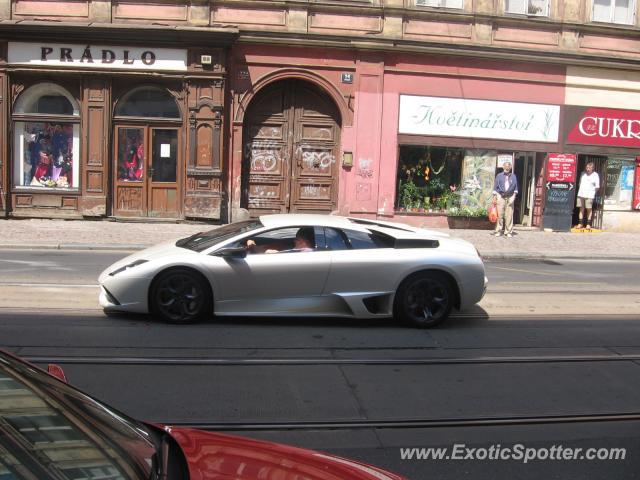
282	240
335	239
363	240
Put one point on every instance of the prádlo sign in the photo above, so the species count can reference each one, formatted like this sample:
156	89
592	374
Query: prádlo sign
60	55
104	56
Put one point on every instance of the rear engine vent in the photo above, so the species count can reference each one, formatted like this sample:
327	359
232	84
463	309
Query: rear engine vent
416	243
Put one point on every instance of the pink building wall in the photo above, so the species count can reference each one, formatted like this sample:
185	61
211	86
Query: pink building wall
442	77
370	105
252	67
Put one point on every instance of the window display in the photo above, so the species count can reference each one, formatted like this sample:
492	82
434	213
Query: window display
131	154
47	153
428	177
619	183
478	174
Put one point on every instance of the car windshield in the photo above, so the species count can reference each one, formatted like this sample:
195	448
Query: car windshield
49	430
203	240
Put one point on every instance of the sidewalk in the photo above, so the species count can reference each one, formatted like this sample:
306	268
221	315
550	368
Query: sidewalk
106	235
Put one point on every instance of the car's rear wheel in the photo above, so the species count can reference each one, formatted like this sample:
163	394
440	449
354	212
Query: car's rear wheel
180	296
424	299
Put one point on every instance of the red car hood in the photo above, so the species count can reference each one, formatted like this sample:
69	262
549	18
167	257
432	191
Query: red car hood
227	457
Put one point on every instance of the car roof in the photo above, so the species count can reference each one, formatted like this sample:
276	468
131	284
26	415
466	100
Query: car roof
303	219
397	230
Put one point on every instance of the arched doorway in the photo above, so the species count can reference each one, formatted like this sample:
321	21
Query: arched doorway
291	141
147	154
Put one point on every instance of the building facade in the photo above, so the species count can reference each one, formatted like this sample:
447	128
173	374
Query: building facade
395	109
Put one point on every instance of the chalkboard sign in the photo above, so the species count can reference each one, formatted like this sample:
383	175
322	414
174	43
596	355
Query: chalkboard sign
558	207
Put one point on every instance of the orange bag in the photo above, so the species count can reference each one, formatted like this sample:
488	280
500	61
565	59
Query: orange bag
493	213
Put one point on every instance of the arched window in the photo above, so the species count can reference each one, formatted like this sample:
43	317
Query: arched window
46	121
148	102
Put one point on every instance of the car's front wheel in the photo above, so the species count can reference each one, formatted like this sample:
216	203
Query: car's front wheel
424	299
180	296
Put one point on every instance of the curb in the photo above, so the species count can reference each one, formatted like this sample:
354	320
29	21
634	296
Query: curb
492	255
73	246
560	256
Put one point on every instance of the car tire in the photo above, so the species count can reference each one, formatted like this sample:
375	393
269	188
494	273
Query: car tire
424	300
180	295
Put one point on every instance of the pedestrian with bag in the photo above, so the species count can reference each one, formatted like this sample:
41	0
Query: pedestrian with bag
505	189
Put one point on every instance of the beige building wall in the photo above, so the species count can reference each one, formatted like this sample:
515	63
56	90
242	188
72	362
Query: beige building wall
603	87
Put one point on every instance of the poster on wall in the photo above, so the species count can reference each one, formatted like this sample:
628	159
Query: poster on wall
619	183
636	188
504	158
478	173
561	167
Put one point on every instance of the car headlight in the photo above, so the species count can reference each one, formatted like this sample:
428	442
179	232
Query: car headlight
126	267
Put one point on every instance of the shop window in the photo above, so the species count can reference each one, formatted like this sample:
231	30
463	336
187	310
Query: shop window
46	99
428	177
46	151
148	102
527	7
445	179
614	11
618	194
440	3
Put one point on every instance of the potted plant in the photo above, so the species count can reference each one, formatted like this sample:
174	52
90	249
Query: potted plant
410	196
468	217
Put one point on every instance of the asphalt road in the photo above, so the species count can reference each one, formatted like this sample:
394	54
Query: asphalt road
531	365
83	267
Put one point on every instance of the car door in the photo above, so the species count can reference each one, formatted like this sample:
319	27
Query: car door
286	281
360	262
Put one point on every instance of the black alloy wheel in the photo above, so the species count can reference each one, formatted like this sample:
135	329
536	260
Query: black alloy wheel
180	296
424	300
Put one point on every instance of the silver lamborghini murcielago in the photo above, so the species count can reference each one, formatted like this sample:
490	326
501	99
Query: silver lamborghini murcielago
300	265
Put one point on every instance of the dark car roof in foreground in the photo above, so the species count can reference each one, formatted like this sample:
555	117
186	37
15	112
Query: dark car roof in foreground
208	455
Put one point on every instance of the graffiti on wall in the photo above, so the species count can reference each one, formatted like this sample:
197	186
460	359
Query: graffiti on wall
365	168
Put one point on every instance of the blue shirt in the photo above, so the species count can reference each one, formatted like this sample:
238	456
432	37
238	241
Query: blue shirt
498	187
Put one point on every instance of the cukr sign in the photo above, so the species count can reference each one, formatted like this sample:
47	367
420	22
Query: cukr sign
604	126
97	56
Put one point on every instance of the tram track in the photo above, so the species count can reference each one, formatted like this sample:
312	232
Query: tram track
234	361
411	423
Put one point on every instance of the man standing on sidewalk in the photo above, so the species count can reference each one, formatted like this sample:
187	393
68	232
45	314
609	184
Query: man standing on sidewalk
589	187
505	190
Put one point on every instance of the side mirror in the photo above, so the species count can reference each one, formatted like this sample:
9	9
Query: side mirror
56	371
231	252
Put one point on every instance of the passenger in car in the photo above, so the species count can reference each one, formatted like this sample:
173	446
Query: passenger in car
304	242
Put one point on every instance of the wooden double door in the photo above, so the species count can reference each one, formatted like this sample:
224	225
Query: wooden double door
291	145
146	171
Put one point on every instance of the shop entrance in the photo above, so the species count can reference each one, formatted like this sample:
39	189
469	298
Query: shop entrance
147	155
525	168
599	164
291	142
146	171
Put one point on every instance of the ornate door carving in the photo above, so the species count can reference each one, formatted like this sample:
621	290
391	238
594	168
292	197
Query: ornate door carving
291	142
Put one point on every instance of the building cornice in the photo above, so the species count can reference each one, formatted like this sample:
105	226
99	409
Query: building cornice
161	35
